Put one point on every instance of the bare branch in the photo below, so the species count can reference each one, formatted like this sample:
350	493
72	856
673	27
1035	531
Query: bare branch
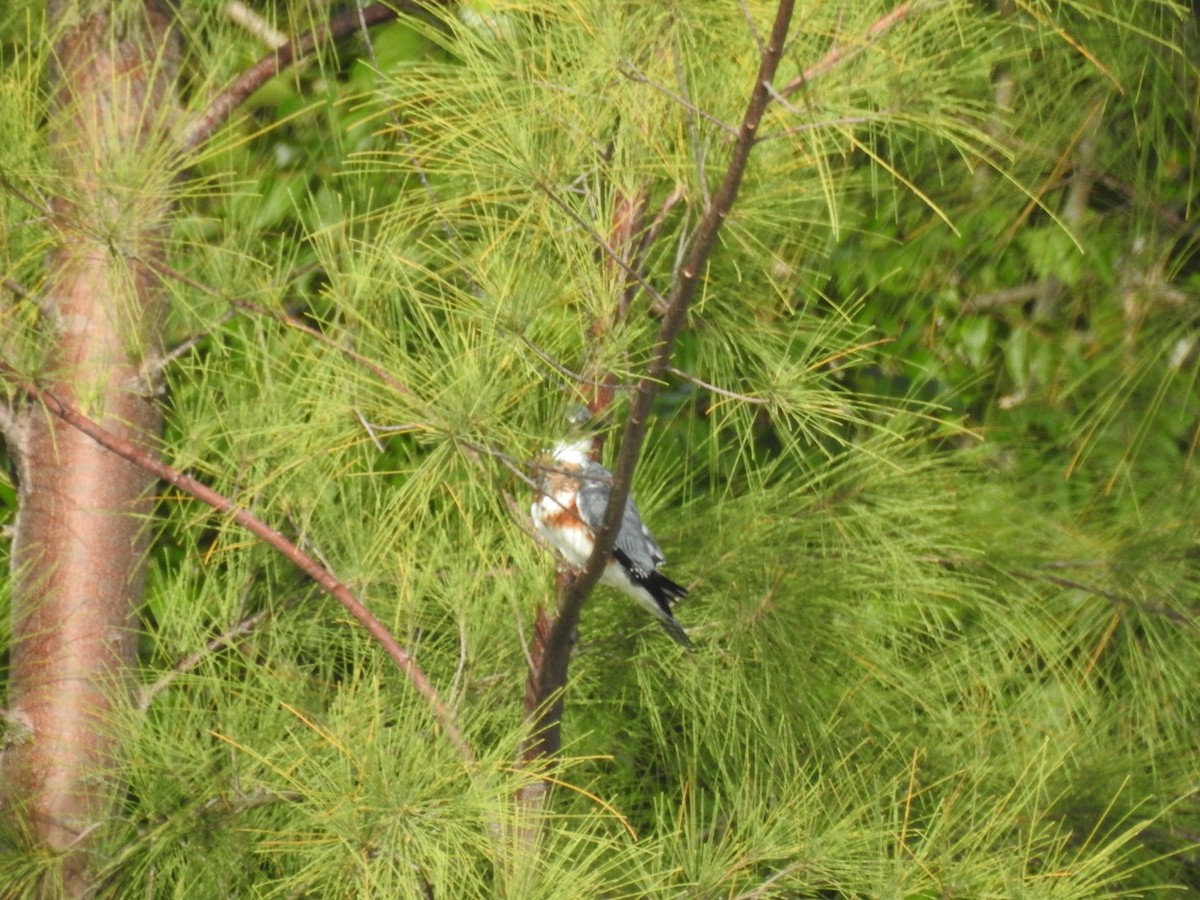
240	14
633	73
339	27
756	401
758	42
17	288
1022	293
840	53
605	247
1158	609
189	662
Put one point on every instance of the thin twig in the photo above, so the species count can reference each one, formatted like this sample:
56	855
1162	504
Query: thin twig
1079	563
472	449
422	176
1071	584
370	429
1022	293
758	42
692	127
1160	210
627	229
18	289
604	245
240	14
238	801
189	662
1114	598
184	347
576	377
679	373
42	206
824	123
633	73
378	371
514	465
285	318
840	53
767	886
650	235
301	326
782	101
456	683
314	570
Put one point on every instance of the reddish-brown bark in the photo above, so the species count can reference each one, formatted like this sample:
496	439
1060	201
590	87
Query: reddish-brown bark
85	443
81	538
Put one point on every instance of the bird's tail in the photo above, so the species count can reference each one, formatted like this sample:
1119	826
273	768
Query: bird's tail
666	594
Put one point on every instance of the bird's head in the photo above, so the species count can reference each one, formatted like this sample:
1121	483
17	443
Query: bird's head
573	453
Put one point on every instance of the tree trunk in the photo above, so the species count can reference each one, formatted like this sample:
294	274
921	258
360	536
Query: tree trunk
82	534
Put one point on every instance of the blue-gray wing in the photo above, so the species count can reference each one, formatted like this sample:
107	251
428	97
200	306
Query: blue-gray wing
634	539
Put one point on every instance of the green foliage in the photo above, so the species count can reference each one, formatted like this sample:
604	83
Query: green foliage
940	543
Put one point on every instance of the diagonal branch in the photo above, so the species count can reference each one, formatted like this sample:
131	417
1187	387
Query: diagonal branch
268	535
553	674
841	52
605	247
1118	600
338	28
193	659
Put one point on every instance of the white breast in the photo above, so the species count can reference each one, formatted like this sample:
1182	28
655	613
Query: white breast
575	544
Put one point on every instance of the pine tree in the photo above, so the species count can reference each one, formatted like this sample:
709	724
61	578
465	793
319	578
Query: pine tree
938	538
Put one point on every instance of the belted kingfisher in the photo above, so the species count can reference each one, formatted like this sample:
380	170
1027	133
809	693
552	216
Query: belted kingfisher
573	496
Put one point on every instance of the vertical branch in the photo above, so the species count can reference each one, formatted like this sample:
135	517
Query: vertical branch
551	677
81	538
628	223
628	228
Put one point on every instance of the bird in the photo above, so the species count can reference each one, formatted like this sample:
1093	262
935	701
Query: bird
573	493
